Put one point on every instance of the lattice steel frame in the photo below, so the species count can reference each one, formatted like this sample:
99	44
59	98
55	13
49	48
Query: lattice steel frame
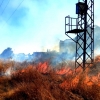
85	35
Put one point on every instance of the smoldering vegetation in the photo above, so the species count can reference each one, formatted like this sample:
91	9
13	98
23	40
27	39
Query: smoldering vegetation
41	81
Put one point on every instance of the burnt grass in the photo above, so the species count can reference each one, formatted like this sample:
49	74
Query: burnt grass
29	83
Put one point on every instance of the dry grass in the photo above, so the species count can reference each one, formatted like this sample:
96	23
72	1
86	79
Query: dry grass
31	83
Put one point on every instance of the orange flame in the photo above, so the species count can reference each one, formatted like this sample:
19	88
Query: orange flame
73	79
43	67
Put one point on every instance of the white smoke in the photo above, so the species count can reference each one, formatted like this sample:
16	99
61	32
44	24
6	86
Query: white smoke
8	72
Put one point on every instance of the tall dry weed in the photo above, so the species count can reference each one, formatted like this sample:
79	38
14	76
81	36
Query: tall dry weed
39	82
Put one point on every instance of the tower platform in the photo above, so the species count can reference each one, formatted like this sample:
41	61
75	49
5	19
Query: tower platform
75	31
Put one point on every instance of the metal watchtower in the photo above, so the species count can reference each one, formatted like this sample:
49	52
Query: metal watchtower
83	27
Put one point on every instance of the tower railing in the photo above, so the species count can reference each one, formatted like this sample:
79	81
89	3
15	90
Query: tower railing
70	24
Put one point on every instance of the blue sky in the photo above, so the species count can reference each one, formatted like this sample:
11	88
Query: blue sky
37	25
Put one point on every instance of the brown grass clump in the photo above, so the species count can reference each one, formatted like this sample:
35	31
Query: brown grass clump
42	82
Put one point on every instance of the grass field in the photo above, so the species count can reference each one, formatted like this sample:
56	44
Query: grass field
29	81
